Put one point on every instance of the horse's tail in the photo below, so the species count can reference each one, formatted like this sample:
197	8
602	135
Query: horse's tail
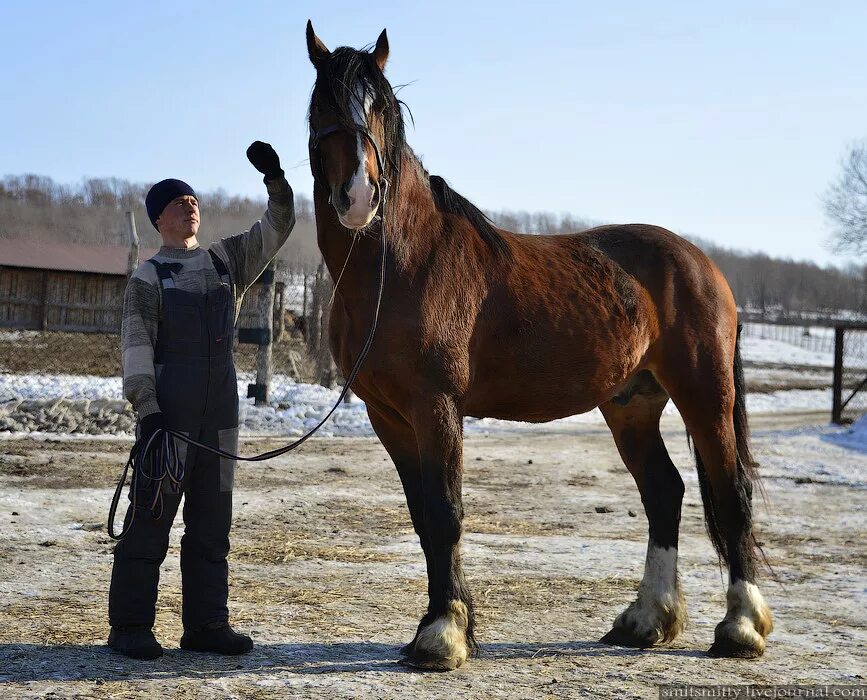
746	475
742	427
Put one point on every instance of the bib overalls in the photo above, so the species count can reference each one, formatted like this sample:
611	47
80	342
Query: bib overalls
197	392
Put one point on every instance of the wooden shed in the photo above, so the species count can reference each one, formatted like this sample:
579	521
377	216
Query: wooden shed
64	287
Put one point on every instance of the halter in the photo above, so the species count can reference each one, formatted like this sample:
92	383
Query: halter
316	138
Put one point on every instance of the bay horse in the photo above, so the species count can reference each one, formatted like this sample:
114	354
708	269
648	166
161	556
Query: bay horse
478	321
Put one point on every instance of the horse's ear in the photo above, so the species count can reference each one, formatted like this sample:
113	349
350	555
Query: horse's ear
317	51
380	53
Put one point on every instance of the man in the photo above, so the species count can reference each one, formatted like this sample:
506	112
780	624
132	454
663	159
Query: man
178	319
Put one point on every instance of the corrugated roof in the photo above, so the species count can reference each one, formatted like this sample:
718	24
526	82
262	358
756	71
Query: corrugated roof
39	255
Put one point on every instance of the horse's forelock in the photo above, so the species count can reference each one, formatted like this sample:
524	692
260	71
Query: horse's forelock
338	81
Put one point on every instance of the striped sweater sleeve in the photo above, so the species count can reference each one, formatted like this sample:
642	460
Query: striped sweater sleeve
248	254
138	338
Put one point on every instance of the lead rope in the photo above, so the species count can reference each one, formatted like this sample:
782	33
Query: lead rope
169	467
342	270
153	463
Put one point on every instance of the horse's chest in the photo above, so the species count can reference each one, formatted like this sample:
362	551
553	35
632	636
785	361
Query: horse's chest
406	353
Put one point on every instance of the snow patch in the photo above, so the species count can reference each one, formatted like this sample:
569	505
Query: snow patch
296	408
780	352
855	437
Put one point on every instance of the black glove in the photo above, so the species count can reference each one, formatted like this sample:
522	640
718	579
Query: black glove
145	487
265	159
149	425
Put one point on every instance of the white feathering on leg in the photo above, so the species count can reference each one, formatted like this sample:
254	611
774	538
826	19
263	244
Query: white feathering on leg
658	613
748	620
445	638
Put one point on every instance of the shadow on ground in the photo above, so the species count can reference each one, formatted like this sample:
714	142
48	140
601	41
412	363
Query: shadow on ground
21	663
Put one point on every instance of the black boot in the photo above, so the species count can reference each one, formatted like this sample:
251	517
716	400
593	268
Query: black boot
135	642
220	639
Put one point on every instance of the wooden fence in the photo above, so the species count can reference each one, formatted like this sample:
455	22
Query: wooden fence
68	301
86	302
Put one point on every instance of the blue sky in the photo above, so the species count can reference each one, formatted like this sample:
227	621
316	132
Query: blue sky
722	120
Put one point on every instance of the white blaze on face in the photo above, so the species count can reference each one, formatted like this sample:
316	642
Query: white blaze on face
361	189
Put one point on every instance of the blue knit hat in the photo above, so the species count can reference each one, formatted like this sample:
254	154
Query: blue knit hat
160	195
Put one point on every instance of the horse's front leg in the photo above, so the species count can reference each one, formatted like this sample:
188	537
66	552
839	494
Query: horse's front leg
445	635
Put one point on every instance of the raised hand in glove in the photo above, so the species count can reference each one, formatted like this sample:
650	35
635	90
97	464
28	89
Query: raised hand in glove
265	159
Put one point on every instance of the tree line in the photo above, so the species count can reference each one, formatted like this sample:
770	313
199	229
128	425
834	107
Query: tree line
38	208
790	288
92	212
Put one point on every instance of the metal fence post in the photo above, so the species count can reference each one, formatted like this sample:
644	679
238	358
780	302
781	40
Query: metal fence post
837	382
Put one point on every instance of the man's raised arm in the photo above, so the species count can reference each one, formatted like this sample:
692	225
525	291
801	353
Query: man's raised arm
247	254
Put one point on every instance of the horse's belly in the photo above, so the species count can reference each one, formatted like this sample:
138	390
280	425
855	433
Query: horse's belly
539	383
538	397
527	412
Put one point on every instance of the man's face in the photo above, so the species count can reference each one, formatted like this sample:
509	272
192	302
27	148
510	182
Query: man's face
180	218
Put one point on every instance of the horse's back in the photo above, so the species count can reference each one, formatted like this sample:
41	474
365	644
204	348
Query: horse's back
632	244
678	275
655	273
691	299
595	307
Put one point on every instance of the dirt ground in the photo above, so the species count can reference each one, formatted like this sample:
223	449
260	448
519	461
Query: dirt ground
327	575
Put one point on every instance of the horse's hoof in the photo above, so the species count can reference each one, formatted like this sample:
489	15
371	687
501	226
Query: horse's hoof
442	644
619	637
741	635
429	663
737	638
649	620
728	649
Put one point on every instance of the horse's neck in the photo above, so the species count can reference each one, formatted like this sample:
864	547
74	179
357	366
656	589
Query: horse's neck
417	226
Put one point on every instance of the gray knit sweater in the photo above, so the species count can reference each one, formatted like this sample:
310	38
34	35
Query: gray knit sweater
245	256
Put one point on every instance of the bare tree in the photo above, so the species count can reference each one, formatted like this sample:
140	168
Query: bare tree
846	202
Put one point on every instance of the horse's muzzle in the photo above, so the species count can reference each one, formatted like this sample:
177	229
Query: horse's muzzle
356	209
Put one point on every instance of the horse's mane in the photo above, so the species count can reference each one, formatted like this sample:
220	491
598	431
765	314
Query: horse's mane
447	200
337	83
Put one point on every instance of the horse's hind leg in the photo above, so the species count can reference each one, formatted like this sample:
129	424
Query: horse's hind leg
658	614
709	393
